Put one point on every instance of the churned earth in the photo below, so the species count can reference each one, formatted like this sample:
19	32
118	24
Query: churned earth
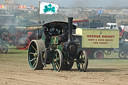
14	70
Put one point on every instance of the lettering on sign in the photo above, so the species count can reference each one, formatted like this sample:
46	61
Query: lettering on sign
100	39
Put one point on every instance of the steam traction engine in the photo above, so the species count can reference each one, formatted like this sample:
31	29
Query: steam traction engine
57	47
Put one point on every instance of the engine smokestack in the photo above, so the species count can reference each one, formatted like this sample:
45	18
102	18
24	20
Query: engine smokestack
70	19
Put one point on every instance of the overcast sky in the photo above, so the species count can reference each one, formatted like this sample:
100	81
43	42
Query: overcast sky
79	3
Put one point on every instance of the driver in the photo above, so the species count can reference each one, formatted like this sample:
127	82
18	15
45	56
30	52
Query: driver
47	36
54	32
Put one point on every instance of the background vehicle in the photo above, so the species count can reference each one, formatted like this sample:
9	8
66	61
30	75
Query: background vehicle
30	33
96	42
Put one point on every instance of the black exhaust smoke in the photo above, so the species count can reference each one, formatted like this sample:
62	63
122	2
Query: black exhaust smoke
70	19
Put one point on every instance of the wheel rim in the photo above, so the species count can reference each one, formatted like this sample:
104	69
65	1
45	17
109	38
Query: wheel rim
5	49
57	60
122	54
82	61
33	55
99	55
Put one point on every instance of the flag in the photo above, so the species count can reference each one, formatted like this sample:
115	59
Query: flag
48	8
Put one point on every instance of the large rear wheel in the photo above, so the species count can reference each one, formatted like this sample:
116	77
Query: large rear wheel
82	61
35	50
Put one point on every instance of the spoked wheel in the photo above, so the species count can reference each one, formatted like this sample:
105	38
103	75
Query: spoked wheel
5	48
68	63
122	54
5	35
35	53
57	60
82	61
22	42
99	54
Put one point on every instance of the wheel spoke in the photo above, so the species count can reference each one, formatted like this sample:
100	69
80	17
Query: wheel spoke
57	64
33	59
34	63
34	48
57	59
54	60
82	58
56	55
32	53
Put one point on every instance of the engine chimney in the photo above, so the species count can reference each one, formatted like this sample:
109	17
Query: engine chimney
70	28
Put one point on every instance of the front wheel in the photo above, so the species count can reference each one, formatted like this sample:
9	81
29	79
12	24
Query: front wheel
82	61
57	60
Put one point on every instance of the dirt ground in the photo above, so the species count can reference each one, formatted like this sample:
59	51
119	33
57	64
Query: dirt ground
14	70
